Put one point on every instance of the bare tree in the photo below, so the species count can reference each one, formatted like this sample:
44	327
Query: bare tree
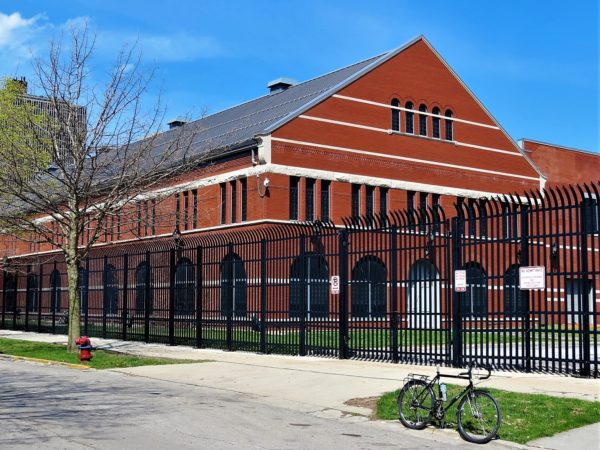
83	154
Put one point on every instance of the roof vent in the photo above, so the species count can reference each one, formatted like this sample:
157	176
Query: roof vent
280	84
177	122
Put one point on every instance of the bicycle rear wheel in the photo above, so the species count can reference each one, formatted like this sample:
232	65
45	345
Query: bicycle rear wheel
415	403
478	417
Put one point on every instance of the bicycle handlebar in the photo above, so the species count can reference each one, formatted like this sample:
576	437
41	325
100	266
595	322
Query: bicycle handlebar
473	365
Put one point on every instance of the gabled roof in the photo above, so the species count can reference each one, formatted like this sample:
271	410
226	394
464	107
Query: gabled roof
233	127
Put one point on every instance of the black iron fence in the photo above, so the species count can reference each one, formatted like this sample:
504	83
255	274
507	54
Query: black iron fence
378	288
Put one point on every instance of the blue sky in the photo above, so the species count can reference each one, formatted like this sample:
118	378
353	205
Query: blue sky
534	64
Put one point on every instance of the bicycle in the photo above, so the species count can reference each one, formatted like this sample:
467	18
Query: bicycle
478	416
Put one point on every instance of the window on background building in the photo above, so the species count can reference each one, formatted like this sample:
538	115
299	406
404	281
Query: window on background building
146	217
483	219
186	210
233	186
514	300
223	188
471	218
185	287
590	213
410	118
370	199
138	207
383	200
111	289
448	124
244	188
474	301
435	122
395	115
153	219
309	198
422	120
83	288
195	208
294	193
55	291
355	200
177	211
435	206
325	192
32	292
423	219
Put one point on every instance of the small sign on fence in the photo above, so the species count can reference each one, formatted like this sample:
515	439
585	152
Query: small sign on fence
460	281
335	284
532	277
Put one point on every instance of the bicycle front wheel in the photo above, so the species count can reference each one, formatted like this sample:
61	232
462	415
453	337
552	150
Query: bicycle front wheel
478	417
415	403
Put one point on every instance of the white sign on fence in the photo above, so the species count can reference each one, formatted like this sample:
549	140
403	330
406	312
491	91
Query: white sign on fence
460	281
532	277
335	284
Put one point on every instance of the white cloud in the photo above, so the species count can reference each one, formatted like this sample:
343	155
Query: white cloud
12	28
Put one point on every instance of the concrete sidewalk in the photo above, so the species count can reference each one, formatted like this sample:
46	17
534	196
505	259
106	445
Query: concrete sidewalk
318	385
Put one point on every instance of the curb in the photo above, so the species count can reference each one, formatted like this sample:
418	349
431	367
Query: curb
45	361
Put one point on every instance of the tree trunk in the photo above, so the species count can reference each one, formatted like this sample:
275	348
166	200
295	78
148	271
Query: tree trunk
72	260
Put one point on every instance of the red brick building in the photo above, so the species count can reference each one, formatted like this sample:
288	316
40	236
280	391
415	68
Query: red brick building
396	130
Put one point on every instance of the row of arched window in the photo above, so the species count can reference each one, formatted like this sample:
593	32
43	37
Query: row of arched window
421	127
309	281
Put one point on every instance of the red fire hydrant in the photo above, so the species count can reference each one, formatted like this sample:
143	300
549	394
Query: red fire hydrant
85	348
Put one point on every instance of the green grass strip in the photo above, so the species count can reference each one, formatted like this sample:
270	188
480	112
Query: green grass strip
525	417
101	359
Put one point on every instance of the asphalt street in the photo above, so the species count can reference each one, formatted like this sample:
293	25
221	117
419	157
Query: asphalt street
44	406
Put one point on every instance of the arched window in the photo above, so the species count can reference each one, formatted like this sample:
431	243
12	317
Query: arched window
395	115
55	291
435	122
185	286
309	279
423	295
448	123
32	292
422	120
474	302
369	293
410	118
514	300
233	286
10	292
84	284
111	289
143	280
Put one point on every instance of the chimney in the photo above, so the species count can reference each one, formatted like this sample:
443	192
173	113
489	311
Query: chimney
177	122
21	82
280	84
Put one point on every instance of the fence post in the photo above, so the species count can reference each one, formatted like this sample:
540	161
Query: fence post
86	313
27	295
263	296
39	297
584	330
303	299
199	293
16	302
524	261
148	297
457	226
104	295
172	297
53	300
230	294
343	296
394	296
4	277
125	289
